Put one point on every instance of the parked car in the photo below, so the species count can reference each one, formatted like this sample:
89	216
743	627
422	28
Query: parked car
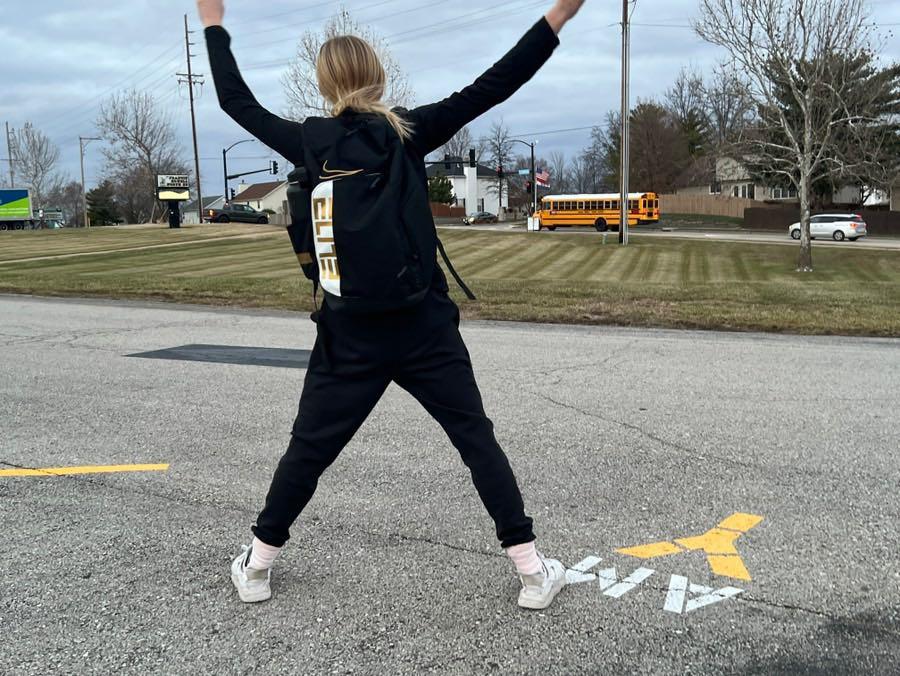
836	226
241	213
480	217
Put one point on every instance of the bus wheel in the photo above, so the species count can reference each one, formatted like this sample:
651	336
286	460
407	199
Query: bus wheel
551	228
600	224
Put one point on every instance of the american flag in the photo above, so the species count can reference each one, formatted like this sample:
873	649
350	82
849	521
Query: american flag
543	178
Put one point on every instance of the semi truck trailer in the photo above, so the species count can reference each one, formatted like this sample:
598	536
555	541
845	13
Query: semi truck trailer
17	212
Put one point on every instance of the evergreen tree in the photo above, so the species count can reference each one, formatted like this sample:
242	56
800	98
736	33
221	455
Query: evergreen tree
440	190
102	208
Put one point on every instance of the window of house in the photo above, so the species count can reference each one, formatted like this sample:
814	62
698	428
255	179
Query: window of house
751	191
736	191
715	188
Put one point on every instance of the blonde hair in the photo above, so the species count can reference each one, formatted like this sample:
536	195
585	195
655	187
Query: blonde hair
351	76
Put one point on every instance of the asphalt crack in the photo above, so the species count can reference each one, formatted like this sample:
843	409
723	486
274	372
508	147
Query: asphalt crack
340	528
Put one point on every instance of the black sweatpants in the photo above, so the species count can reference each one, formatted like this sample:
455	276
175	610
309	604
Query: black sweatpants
346	378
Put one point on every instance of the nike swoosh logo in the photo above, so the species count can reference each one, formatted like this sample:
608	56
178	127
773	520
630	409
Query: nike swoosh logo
338	173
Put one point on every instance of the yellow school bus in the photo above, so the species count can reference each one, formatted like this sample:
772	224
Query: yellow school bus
600	211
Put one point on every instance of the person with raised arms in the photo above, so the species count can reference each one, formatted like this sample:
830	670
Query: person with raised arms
367	238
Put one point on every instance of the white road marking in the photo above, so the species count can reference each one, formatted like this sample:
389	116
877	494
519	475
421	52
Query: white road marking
578	573
609	581
679	587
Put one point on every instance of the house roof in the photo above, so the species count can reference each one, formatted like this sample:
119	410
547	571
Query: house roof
207	202
453	167
258	191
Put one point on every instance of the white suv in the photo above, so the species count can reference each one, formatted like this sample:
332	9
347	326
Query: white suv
836	226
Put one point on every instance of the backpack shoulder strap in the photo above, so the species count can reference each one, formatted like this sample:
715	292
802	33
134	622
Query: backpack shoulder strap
459	281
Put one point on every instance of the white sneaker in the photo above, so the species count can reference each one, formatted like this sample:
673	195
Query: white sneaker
252	585
538	591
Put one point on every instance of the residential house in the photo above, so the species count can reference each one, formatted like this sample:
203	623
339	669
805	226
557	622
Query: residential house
474	188
732	179
189	213
261	196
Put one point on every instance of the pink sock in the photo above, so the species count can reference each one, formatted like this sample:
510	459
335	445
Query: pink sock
263	556
526	558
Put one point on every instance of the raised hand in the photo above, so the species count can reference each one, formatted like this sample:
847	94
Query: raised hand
562	11
211	12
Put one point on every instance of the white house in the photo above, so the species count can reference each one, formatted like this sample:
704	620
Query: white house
475	188
261	196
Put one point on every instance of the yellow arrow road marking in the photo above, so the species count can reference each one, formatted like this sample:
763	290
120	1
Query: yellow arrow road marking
718	543
90	469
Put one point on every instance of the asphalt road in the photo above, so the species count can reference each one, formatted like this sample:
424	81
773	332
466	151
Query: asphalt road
873	243
619	437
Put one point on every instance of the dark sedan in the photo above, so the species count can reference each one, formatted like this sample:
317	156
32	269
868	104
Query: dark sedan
480	217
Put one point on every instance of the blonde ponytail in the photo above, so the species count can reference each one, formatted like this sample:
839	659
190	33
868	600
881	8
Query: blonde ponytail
351	77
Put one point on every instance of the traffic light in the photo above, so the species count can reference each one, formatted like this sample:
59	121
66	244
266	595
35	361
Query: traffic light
529	187
472	162
500	172
274	167
232	193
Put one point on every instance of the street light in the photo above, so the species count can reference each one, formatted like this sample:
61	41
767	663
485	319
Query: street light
225	166
533	175
83	141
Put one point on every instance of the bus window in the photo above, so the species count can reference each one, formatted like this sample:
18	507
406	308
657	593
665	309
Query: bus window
581	206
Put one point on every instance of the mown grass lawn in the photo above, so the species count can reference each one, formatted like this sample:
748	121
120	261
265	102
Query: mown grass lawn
517	276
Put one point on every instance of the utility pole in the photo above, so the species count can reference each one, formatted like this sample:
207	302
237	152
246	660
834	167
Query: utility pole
191	81
82	142
12	177
624	146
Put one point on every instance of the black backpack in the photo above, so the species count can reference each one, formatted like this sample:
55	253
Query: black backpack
361	224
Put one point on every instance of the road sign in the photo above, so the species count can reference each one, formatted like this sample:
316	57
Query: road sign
524	172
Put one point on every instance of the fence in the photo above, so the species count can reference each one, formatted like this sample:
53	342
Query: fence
446	211
878	221
705	205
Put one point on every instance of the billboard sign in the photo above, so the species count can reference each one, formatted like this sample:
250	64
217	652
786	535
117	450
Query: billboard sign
173	187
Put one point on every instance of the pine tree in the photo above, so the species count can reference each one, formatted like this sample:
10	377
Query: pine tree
102	209
440	190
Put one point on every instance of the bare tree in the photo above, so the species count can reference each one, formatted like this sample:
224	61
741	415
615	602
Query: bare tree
686	103
559	172
788	47
499	151
141	144
35	156
581	174
301	86
729	108
66	195
460	144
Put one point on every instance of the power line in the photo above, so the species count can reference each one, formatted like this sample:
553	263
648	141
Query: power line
429	29
372	5
67	112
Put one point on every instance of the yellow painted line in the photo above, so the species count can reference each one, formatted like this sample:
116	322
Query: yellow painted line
88	469
718	544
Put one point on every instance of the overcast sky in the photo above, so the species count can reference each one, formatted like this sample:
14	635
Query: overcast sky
61	58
